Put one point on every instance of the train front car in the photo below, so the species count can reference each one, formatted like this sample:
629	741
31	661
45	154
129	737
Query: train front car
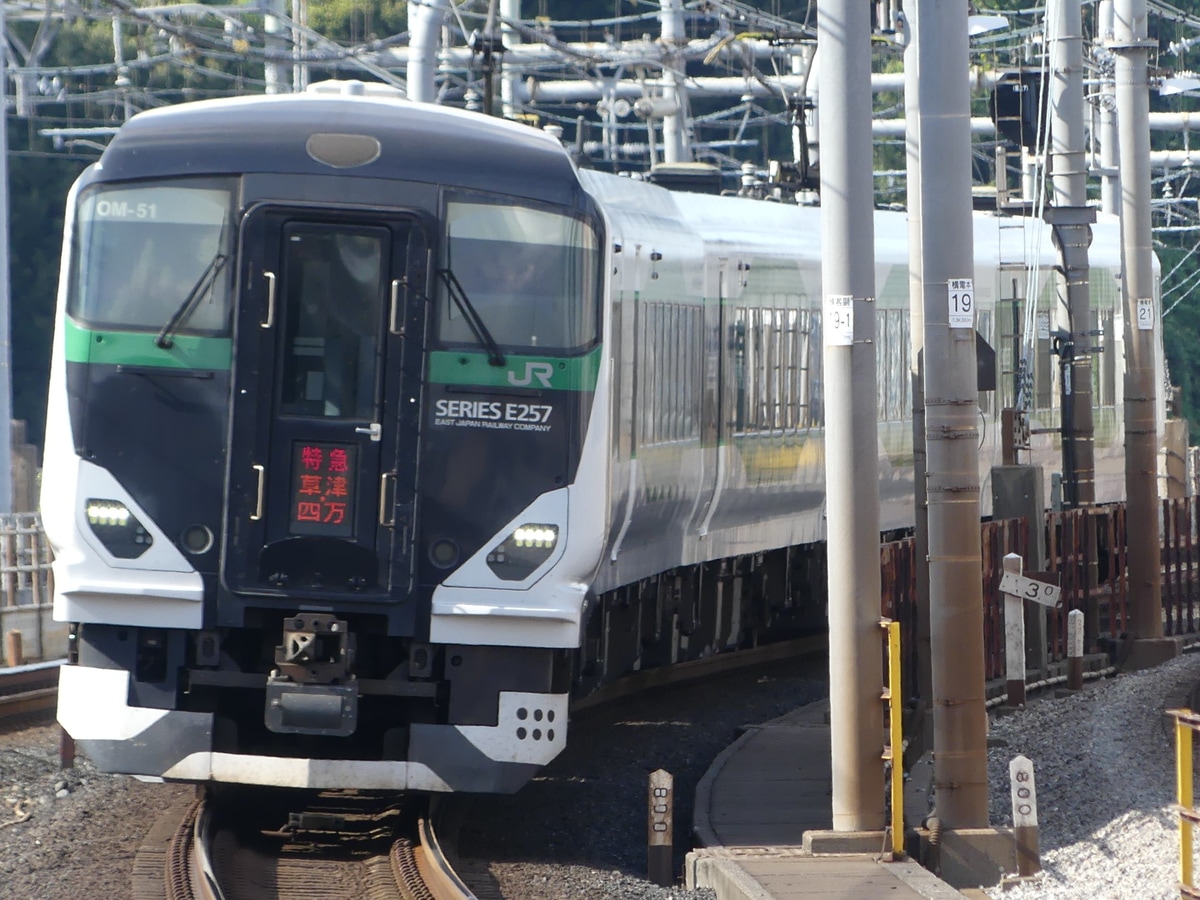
324	384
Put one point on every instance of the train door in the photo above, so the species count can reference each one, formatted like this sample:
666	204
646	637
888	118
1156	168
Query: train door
326	382
714	429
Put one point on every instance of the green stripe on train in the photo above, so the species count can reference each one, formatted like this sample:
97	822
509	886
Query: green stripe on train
137	348
573	373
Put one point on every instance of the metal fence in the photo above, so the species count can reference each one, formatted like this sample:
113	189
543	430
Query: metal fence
27	592
1086	554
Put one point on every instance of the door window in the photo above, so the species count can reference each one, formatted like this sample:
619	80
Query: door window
334	303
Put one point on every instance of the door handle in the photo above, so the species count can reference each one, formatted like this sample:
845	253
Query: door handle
270	276
397	284
258	504
386	520
374	430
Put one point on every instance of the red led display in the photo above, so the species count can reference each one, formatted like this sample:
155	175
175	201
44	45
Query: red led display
323	482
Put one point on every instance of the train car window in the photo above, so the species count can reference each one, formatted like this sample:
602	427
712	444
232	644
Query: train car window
141	249
531	274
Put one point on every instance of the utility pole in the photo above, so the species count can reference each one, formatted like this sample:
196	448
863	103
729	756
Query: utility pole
1070	218
424	27
274	70
1110	201
300	46
510	75
916	306
675	138
1131	45
6	480
951	416
851	450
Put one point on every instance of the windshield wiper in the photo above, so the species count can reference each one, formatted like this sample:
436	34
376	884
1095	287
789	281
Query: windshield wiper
202	286
459	296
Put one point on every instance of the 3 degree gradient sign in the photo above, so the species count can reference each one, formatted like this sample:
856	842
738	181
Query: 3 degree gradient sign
323	484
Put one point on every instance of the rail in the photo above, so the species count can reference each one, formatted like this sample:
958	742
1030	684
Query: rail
29	688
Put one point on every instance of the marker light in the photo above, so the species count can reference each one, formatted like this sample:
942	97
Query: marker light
118	529
523	551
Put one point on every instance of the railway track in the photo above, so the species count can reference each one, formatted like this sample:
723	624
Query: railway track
340	846
28	688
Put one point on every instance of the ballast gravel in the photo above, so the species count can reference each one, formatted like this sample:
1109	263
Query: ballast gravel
1104	764
577	832
1104	768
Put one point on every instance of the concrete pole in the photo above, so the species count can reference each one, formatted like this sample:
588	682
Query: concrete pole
851	455
300	46
1110	183
951	417
916	306
674	36
424	27
274	70
510	75
6	462
1130	44
1071	219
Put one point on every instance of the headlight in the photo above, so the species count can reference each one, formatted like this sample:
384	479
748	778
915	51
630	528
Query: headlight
523	551
118	529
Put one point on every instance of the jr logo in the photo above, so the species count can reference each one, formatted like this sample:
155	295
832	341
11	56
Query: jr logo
539	370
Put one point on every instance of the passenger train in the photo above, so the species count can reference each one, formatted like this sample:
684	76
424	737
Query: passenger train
378	430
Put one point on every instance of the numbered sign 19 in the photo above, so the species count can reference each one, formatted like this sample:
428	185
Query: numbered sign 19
1145	314
839	320
961	295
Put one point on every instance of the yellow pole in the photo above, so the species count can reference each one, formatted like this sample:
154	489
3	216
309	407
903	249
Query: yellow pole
896	738
897	729
1183	795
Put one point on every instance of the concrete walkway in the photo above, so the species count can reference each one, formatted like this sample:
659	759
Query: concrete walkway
754	807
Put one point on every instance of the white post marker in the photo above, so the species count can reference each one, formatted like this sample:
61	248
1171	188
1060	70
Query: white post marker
839	320
1025	823
1075	650
1014	634
661	827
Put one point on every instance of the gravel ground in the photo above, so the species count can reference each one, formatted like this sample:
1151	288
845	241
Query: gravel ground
1104	766
577	831
1104	762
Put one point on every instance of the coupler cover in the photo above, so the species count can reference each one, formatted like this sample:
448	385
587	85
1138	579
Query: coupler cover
325	709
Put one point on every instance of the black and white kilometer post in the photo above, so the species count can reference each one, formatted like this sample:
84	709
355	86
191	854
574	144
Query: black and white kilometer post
660	833
1024	809
1017	589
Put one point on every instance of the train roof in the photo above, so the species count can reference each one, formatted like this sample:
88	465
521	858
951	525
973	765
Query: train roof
765	226
270	134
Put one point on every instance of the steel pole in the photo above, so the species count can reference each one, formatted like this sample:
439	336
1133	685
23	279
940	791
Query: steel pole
510	74
951	417
1142	317
424	27
916	332
675	137
1071	219
851	455
275	71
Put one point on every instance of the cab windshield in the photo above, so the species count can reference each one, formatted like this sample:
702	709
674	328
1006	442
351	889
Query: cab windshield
531	275
141	251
